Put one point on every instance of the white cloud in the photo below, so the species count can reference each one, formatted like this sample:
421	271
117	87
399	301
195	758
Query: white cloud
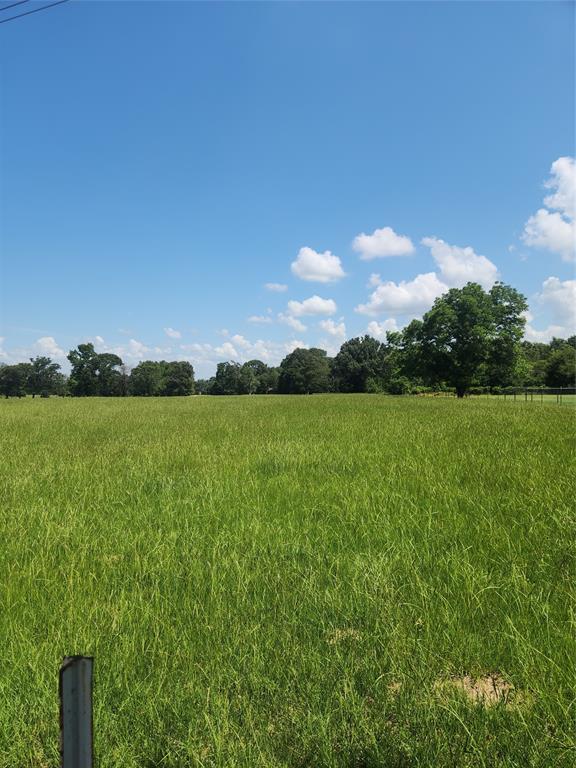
172	333
206	356
317	267
559	298
406	297
546	335
132	352
240	341
276	287
374	280
381	244
336	330
136	350
551	231
47	346
259	319
459	266
228	350
563	173
379	330
315	305
556	231
293	322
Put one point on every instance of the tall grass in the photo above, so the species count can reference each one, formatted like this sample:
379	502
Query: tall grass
286	581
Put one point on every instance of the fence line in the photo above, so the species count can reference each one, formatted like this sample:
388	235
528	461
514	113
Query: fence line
529	394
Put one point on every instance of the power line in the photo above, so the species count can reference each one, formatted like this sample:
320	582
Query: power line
44	8
20	2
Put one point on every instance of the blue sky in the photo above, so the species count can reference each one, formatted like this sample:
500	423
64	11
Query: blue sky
163	162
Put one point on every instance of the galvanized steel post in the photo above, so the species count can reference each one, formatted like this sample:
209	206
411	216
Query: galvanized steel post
76	746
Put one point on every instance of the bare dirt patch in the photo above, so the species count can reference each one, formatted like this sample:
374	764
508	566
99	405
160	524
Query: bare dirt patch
488	690
342	635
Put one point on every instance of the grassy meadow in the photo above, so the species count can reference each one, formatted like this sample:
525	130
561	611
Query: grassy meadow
351	581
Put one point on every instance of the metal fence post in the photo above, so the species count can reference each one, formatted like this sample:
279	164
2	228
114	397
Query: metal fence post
76	744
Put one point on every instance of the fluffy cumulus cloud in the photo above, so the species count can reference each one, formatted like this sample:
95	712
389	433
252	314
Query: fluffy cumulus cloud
317	267
379	330
239	349
408	297
335	330
315	305
48	347
553	228
381	244
563	183
260	319
276	287
172	333
458	266
293	322
132	352
557	299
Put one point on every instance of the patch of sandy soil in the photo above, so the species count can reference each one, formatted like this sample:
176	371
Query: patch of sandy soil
341	635
488	690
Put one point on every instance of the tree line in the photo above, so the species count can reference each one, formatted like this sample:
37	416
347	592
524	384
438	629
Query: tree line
470	340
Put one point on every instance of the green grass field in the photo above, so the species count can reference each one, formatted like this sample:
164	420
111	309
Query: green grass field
274	581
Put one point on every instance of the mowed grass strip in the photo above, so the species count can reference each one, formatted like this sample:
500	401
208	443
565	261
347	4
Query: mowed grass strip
281	581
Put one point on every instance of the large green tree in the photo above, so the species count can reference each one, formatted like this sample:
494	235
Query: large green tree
108	374
43	377
146	379
14	379
469	332
561	367
360	365
304	372
178	378
227	380
83	376
95	373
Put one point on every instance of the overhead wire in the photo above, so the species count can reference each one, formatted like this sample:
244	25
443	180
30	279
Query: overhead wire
12	5
36	10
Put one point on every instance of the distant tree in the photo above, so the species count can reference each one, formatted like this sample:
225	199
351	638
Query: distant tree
561	367
268	381
304	371
109	378
360	365
14	379
404	358
506	365
535	355
83	376
227	380
178	378
257	378
43	376
202	386
60	386
467	330
146	379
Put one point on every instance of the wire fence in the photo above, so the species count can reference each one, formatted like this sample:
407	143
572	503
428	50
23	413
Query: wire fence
559	395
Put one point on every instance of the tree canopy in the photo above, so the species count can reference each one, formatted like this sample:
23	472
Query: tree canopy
469	338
